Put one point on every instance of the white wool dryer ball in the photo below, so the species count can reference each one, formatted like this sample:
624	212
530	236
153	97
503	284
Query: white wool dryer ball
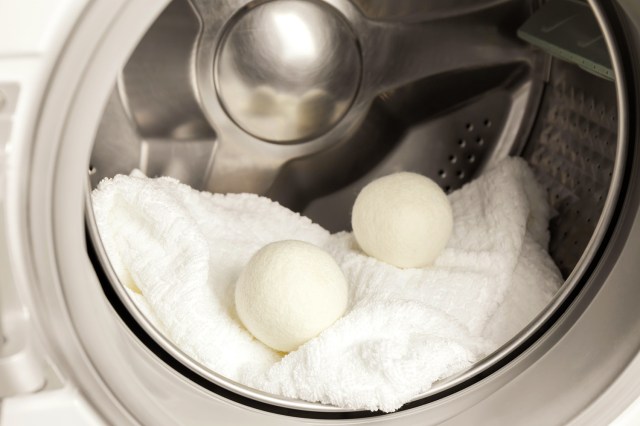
403	219
289	292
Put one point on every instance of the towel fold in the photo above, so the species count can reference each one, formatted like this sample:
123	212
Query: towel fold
180	251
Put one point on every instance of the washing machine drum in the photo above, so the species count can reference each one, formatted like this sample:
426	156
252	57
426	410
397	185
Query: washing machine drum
305	102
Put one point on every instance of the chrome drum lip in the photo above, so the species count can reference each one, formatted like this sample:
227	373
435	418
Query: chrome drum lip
472	375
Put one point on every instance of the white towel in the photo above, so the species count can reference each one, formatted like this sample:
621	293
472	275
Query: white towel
180	251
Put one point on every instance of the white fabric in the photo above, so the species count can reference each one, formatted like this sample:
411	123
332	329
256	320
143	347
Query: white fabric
404	329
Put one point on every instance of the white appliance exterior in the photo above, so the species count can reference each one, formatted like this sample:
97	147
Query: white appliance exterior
33	33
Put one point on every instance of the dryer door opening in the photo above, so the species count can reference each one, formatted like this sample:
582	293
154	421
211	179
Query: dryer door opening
447	93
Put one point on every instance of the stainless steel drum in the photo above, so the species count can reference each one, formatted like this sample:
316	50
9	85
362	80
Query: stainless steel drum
306	101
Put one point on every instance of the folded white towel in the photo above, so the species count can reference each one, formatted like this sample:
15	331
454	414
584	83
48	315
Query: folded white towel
183	250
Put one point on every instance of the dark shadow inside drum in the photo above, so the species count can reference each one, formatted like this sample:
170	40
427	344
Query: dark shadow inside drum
517	101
